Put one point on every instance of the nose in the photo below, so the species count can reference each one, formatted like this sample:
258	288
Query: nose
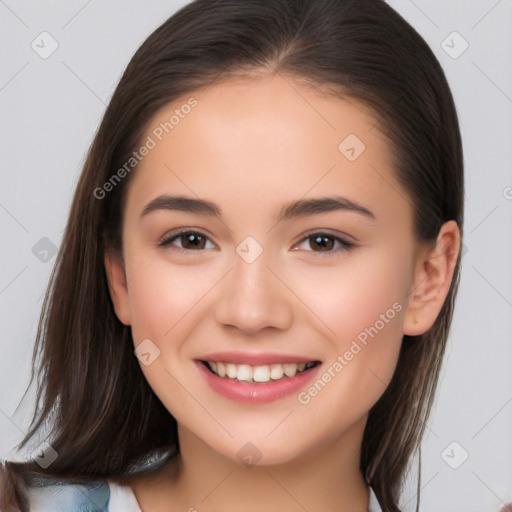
253	297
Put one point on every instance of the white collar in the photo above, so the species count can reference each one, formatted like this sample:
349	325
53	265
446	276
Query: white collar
122	499
374	504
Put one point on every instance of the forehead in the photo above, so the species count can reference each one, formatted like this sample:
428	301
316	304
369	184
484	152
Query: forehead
257	143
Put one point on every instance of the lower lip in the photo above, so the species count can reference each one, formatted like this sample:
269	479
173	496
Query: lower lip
259	392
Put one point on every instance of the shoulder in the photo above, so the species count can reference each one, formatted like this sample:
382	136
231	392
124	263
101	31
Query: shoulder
55	495
45	494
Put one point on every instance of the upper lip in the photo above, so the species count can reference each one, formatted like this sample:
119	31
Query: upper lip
255	359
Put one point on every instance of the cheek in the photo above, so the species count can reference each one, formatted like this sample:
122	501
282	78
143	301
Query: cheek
359	305
166	302
364	308
162	295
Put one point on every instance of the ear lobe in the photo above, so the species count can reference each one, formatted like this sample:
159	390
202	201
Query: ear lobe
432	280
116	277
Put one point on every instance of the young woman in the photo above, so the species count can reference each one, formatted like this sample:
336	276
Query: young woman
253	294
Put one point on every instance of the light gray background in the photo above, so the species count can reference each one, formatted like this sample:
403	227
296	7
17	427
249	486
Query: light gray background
50	109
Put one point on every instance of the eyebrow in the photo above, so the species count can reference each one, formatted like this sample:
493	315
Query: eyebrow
295	209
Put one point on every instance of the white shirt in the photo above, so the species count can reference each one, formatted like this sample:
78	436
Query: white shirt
122	499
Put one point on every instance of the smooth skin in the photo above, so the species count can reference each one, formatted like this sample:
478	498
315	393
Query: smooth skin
251	146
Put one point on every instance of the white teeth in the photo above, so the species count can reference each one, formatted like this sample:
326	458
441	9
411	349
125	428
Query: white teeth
276	371
231	370
263	373
244	372
290	369
221	369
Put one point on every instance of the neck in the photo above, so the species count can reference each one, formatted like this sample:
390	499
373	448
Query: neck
325	478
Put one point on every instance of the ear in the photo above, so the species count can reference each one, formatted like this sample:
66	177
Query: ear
432	279
116	277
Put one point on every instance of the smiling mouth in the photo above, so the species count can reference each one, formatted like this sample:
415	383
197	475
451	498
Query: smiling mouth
258	374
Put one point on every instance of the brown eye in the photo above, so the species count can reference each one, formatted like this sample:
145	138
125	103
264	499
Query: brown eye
322	242
192	241
187	240
325	243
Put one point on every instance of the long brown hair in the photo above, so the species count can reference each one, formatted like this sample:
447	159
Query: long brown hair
104	418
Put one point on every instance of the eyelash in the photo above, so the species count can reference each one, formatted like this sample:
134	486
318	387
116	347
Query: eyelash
345	245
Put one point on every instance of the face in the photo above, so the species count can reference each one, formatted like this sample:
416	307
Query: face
296	274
